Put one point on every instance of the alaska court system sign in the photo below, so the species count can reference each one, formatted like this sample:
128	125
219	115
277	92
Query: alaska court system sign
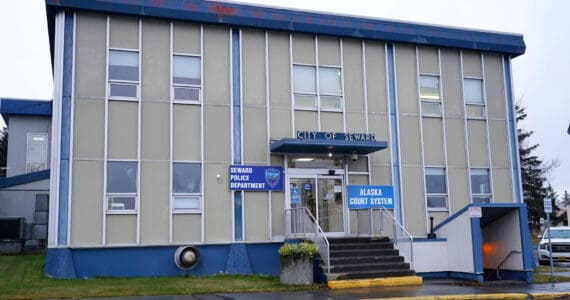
256	178
370	196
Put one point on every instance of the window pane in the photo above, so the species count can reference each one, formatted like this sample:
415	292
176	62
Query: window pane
329	81
303	101
183	93
123	90
431	108
437	202
477	111
186	177
123	65
473	90
121	202
429	87
331	103
481	199
186	70
304	79
435	181
37	148
121	177
480	181
187	202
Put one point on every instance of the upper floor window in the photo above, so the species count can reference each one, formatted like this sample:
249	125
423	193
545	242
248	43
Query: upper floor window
474	97
436	188
122	186
186	78
430	95
480	187
186	187
329	94
123	74
36	152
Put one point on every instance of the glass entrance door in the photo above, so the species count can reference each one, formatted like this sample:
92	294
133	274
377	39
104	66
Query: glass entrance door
322	196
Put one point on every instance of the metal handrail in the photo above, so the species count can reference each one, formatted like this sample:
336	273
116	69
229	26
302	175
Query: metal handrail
322	248
504	261
406	233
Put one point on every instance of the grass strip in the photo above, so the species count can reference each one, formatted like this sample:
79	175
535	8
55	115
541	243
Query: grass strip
22	277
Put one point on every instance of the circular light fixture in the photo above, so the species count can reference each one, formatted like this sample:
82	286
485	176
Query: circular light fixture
186	257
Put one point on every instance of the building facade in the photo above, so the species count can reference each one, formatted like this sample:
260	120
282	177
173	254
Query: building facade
156	101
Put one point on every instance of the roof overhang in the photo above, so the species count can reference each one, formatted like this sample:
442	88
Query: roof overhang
338	147
10	107
241	15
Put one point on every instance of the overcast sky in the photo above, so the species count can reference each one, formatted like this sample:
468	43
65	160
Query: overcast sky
540	75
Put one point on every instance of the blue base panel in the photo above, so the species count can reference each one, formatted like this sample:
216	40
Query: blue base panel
238	258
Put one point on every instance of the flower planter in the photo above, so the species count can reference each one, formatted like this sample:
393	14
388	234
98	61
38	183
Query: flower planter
296	270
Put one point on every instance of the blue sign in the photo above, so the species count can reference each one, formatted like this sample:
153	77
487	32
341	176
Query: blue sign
295	195
256	178
370	196
307	186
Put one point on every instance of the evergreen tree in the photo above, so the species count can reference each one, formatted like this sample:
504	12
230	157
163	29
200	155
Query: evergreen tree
533	173
3	150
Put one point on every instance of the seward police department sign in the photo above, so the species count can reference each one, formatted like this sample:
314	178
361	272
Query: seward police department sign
370	196
256	178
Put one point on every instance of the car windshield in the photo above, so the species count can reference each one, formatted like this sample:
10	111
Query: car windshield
557	234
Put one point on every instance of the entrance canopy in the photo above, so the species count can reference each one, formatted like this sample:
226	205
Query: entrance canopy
324	146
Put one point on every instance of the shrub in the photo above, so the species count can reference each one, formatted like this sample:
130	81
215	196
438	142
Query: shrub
298	250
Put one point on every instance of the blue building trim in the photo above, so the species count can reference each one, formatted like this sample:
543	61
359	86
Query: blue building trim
528	257
241	15
259	258
426	240
452	274
512	127
395	151
477	245
64	166
10	107
236	114
7	182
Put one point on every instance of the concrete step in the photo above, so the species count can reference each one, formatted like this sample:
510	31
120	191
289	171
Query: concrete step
346	268
375	282
370	245
370	274
367	259
363	252
351	240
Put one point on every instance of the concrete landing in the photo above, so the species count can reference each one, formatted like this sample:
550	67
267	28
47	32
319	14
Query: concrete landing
375	282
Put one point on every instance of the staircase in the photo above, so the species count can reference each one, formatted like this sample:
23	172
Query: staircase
365	258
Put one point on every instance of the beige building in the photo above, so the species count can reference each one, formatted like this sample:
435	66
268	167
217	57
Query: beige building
154	102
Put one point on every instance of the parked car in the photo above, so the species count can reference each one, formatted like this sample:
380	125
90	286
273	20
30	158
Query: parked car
560	238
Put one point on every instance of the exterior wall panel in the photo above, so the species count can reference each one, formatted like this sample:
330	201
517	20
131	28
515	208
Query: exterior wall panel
255	135
217	204
155	131
410	140
154	202
90	53
353	80
477	143
216	63
87	203
306	120
434	153
217	144
121	229
452	83
502	185
186	228
253	68
472	64
331	121
88	129
406	79
186	132
155	81
304	49
429	63
378	124
458	188
122	130
255	216
376	77
186	38
277	209
414	203
455	135
329	51
494	87
124	32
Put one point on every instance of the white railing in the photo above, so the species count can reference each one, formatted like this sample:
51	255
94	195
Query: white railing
403	240
300	223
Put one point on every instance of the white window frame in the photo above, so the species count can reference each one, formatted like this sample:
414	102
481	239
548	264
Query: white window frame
444	195
184	195
317	94
482	105
124	82
182	85
45	163
135	194
422	100
490	194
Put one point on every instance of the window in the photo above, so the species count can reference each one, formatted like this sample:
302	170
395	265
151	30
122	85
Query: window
436	189
186	186
480	187
36	152
474	97
122	186
186	78
430	95
123	74
329	96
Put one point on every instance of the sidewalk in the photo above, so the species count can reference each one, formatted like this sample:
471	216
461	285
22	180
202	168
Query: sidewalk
432	289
